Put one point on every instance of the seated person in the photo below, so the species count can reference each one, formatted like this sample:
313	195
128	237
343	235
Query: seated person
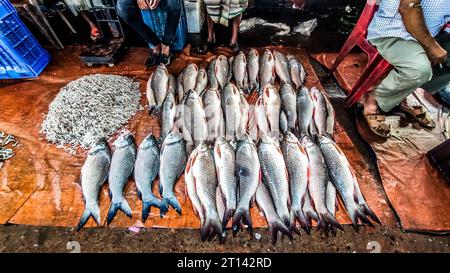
129	11
221	11
409	35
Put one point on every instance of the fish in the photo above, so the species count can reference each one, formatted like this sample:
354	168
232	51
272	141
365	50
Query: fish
232	111
344	179
272	105
192	191
172	87
243	123
214	114
320	111
261	118
265	204
317	184
189	77
222	70
275	176
173	160
146	170
248	174
331	202
308	210
297	72
157	88
240	71
305	110
289	106
93	175
266	69
220	203
122	164
296	161
195	117
168	113
253	69
283	122
225	162
252	124
230	70
206	183
213	82
202	81
282	67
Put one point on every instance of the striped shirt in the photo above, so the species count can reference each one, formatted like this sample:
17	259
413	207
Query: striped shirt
387	21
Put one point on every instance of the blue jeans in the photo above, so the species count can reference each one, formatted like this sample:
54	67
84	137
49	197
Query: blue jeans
445	95
129	11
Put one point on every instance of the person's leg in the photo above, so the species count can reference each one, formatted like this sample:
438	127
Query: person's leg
211	34
441	77
411	70
235	29
131	14
173	8
95	31
445	94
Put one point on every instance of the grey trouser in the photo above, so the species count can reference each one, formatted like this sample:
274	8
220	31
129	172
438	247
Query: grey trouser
412	69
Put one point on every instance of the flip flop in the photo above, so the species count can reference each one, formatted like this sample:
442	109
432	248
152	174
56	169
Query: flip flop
419	115
95	34
377	124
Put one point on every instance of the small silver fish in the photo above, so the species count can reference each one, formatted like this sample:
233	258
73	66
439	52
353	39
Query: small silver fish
266	69
168	113
214	114
232	111
282	67
253	69
305	110
222	70
272	104
289	106
240	71
157	88
213	82
298	73
195	117
202	81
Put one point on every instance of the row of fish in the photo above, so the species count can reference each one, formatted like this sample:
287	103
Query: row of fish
145	163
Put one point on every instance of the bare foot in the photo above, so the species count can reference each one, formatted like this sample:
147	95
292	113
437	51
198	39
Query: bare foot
370	104
157	49
165	50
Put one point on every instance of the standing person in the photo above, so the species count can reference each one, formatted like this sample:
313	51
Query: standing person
82	7
222	11
129	11
409	35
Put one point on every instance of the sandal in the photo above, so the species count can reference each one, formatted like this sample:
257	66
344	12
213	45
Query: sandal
377	124
95	34
419	115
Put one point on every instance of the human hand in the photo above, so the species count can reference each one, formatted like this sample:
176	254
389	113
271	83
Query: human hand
143	4
436	54
155	4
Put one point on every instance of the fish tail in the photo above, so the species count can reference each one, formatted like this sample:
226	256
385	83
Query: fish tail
156	111
302	219
276	226
242	214
173	202
211	227
227	216
87	213
123	206
357	214
147	205
367	211
326	221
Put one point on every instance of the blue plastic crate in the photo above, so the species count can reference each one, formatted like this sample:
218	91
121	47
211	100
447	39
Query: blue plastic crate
21	56
156	20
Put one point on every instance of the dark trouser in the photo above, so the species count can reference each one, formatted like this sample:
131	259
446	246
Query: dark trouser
129	11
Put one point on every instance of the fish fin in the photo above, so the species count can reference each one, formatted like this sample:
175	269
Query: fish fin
156	112
302	219
173	202
114	208
242	214
87	213
275	227
147	205
227	216
326	220
210	227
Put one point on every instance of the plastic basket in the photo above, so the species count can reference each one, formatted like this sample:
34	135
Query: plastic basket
21	56
156	20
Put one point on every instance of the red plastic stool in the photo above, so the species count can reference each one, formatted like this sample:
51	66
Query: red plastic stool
376	66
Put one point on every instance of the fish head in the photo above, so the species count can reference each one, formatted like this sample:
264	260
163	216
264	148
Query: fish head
222	58
323	140
99	145
161	69
124	140
221	140
253	52
149	142
202	147
173	137
307	141
290	137
286	88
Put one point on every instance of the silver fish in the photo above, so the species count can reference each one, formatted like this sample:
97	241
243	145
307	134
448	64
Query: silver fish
202	81
222	71
261	118
146	169
275	176
282	67
331	201
252	124
189	79
298	73
214	114
213	82
248	173
308	210
225	161
320	111
283	122
317	185
157	88
173	161
220	203
289	106
230	66
344	179
195	117
253	69
265	203
192	191
168	115
206	185
172	88
232	111
179	89
297	166
93	175
272	103
305	110
245	108
122	164
266	69
240	71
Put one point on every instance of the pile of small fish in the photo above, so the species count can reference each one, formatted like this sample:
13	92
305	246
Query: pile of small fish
278	152
5	152
89	108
